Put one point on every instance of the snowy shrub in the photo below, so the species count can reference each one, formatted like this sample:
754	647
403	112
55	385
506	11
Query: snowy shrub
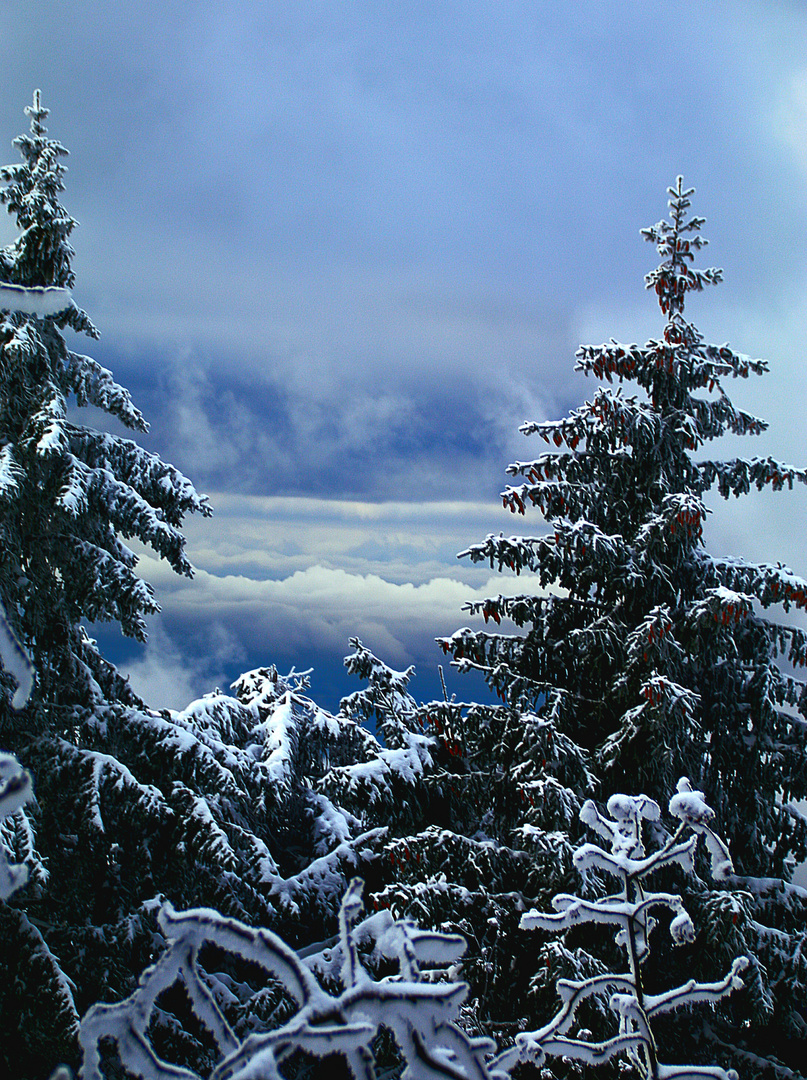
630	911
334	999
383	991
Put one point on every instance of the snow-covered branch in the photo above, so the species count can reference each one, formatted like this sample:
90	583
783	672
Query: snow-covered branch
15	791
628	911
42	301
16	662
337	1005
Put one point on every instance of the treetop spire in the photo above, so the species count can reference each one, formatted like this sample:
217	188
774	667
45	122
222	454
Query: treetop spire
676	241
37	114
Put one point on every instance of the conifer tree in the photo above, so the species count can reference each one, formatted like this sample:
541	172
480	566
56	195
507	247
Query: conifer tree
657	657
480	804
69	494
215	806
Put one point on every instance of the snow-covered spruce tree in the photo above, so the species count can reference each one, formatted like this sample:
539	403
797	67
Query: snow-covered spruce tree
68	493
15	782
481	803
215	806
658	657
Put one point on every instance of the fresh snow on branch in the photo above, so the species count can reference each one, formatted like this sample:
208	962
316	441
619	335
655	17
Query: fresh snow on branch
42	301
628	911
16	662
15	791
337	1005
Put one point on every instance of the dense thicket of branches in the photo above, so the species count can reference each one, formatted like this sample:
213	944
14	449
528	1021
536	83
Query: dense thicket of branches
482	806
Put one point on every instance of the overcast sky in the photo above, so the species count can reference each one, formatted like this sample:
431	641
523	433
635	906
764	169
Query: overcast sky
340	250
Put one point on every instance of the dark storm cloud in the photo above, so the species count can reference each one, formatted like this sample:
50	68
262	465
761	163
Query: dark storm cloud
343	250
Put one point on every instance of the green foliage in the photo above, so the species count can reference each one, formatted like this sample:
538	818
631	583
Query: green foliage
69	494
215	806
655	657
480	802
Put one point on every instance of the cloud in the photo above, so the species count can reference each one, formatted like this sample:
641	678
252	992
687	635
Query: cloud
291	580
167	677
403	542
304	620
430	409
790	116
340	252
319	608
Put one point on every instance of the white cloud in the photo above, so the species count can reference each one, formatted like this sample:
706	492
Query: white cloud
168	677
273	537
162	676
283	579
319	608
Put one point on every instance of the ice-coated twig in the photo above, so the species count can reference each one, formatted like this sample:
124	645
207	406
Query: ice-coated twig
692	992
628	911
421	1015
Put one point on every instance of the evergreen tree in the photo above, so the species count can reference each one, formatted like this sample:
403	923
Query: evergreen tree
481	806
68	493
655	656
215	806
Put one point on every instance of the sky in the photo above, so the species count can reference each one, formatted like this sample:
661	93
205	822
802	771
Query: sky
339	251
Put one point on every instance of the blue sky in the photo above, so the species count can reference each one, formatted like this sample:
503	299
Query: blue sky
339	251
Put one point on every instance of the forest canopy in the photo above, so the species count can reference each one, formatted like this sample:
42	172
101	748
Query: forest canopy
257	886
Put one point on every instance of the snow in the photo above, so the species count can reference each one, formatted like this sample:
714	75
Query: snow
629	911
280	734
15	792
342	1019
42	301
325	875
106	768
16	662
691	808
332	824
682	929
10	471
624	833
